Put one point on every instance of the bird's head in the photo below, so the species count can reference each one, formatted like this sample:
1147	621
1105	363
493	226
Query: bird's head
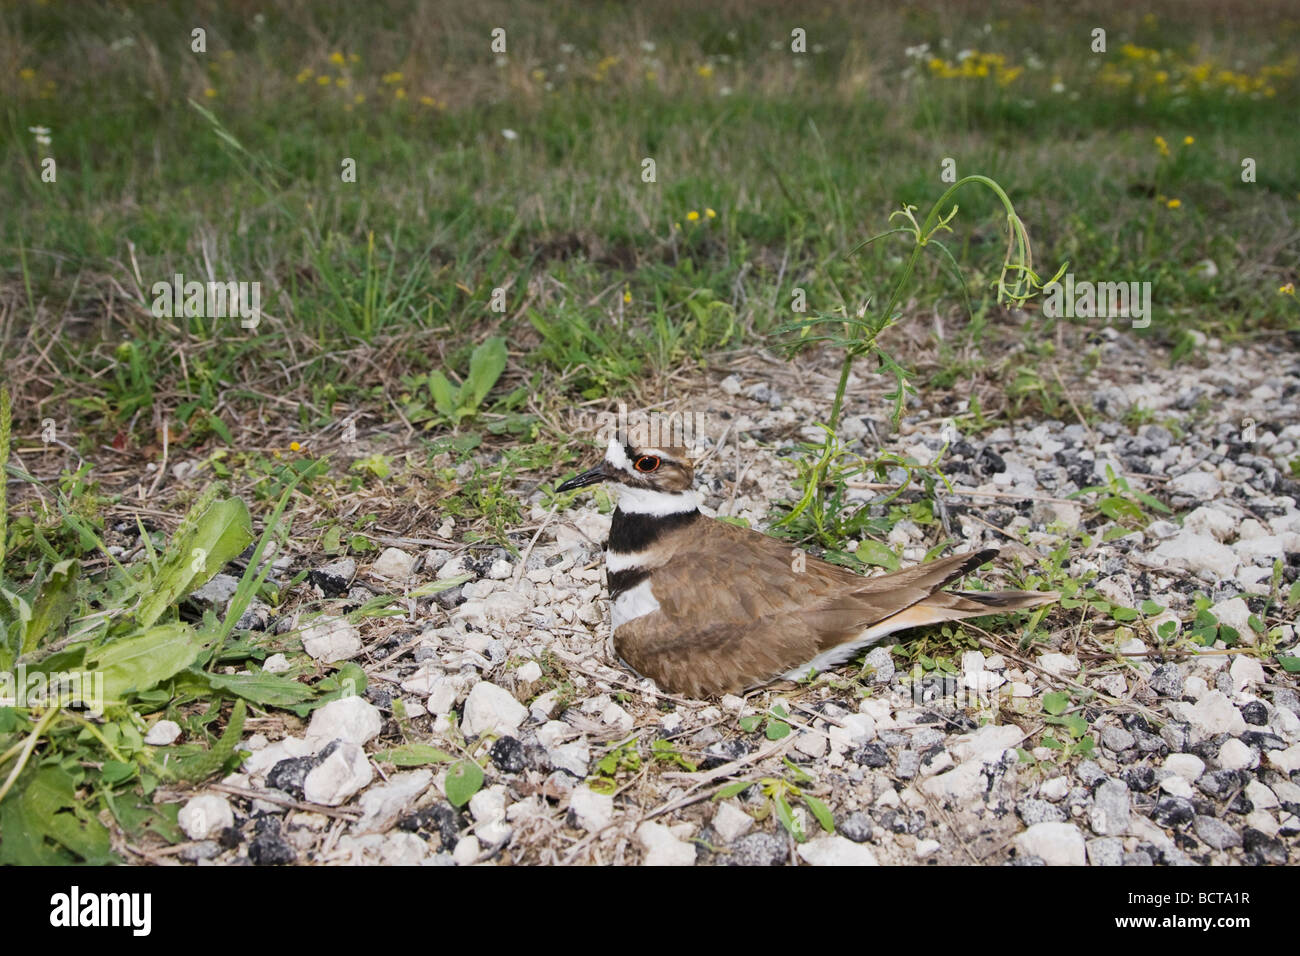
652	469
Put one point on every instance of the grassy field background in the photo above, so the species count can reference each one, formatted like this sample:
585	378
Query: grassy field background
522	171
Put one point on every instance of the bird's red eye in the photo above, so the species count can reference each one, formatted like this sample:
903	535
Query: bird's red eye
647	463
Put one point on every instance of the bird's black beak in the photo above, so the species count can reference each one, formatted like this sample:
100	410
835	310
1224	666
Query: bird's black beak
592	477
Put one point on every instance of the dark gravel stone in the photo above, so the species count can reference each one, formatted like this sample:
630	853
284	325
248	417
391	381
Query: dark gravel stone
1262	740
230	838
268	847
1173	812
1138	858
1089	773
724	751
1215	833
1150	743
892	738
288	774
1167	680
508	755
1255	713
857	827
1141	778
1220	783
1031	811
909	762
330	583
1240	804
1207	750
990	462
1117	740
451	598
1135	722
871	755
758	849
1269	849
442	819
1175	735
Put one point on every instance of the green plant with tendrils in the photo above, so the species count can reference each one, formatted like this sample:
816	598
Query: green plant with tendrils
859	336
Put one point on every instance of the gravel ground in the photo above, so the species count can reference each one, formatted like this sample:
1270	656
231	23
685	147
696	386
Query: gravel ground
1196	756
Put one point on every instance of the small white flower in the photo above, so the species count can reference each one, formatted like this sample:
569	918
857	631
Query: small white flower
1058	87
965	55
509	134
567	47
725	91
648	46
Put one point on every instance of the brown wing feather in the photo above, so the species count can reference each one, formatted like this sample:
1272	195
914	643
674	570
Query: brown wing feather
715	635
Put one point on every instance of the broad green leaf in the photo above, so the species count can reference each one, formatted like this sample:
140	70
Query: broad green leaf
262	688
220	535
142	661
463	781
777	730
1293	593
1124	614
1056	703
348	681
1151	608
750	724
44	823
732	789
414	755
876	554
486	364
821	812
786	816
1289	664
53	604
444	394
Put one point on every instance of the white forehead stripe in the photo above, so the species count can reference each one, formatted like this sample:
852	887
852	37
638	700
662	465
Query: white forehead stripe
616	456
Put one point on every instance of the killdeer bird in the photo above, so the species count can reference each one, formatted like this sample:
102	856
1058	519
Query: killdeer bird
707	608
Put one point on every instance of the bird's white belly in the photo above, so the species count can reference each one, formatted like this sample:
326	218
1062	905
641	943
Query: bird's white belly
840	654
633	603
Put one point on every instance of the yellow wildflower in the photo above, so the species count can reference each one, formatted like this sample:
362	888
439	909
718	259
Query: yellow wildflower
627	294
322	81
341	81
692	216
209	92
359	98
399	93
294	446
705	71
304	74
337	58
1174	203
391	78
427	100
27	73
1288	289
710	213
1188	140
